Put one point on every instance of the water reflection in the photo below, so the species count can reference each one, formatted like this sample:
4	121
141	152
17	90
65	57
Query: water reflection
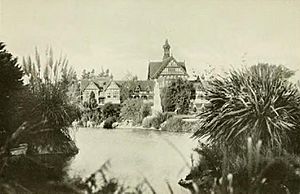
134	154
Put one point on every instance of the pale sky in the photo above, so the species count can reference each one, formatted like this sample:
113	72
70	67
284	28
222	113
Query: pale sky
124	35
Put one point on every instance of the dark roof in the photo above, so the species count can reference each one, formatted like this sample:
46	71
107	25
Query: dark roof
83	84
145	85
100	82
155	68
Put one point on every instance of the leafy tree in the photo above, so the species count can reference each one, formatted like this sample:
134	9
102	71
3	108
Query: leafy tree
10	84
145	110
131	110
111	110
258	102
108	123
128	87
177	96
91	74
92	101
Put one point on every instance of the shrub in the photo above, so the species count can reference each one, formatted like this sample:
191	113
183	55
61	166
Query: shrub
135	110
109	122
173	124
111	110
145	110
155	122
190	126
147	122
46	105
177	96
256	102
254	171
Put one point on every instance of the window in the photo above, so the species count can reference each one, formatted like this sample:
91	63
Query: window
115	94
171	70
101	100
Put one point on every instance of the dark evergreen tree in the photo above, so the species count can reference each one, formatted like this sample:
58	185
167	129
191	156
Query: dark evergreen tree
10	83
177	96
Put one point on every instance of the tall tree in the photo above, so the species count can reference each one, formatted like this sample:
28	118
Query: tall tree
177	96
128	87
10	83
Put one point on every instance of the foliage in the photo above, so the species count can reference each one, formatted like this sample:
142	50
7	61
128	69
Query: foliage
48	86
10	84
156	120
108	123
100	182
173	124
92	101
255	171
177	96
254	102
131	110
146	123
91	74
128	87
145	110
111	110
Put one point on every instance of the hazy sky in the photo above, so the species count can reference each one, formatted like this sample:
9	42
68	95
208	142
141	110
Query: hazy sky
124	35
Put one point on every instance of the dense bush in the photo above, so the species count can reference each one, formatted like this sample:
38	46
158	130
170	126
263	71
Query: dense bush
156	120
177	96
48	87
257	102
176	124
145	110
10	85
254	171
135	110
111	110
131	110
173	124
147	122
108	123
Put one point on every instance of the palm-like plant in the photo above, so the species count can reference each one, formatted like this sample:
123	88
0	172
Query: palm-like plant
257	102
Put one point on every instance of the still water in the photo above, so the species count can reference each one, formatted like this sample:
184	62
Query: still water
134	154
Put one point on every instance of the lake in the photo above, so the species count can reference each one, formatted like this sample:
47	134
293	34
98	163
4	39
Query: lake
134	154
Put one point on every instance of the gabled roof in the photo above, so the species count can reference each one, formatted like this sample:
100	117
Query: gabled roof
112	84
144	85
84	83
155	68
99	82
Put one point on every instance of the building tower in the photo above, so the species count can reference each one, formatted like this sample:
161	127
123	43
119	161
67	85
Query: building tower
166	48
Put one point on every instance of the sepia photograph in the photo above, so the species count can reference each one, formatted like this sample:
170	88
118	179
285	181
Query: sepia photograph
149	96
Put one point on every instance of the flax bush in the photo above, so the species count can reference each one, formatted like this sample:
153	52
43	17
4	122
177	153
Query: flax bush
256	170
258	102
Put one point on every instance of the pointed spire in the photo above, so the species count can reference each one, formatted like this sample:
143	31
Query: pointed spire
166	48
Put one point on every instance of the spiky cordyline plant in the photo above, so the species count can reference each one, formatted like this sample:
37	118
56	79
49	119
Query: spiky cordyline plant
257	102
